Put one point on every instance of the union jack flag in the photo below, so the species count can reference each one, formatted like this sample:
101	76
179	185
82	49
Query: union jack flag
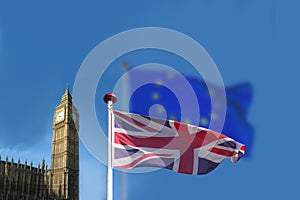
142	141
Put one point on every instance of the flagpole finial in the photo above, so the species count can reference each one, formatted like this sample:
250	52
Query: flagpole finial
110	97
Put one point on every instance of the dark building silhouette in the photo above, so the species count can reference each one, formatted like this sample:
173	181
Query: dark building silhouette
25	182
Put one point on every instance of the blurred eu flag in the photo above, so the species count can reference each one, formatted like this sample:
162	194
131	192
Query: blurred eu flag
158	100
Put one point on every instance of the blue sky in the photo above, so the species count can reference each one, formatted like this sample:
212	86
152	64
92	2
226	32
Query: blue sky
43	44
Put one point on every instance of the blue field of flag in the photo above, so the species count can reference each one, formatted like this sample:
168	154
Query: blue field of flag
157	100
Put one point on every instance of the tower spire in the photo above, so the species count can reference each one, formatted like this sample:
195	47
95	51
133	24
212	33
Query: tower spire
65	153
67	88
66	97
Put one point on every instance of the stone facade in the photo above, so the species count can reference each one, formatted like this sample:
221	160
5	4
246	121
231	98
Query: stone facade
25	182
22	181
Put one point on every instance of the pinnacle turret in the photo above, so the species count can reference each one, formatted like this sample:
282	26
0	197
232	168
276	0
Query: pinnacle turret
66	97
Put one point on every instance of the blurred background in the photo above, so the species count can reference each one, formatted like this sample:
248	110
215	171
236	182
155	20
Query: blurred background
43	44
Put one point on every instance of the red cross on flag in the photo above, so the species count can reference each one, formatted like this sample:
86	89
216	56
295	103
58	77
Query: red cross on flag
142	141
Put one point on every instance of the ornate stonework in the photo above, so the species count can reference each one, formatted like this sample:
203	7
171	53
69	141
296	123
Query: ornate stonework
22	181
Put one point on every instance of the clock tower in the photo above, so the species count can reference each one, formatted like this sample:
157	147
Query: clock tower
64	180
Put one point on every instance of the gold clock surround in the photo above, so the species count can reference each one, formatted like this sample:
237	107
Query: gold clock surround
59	115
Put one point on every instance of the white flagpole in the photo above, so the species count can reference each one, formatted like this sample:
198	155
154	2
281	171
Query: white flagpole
110	99
125	91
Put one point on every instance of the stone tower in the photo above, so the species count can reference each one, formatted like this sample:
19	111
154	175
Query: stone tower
64	181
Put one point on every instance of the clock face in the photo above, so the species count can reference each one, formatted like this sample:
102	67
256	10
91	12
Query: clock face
60	116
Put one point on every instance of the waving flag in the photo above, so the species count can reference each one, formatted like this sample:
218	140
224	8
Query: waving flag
142	141
238	99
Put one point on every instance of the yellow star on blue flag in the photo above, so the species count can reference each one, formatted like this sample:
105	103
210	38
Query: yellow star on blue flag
238	99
